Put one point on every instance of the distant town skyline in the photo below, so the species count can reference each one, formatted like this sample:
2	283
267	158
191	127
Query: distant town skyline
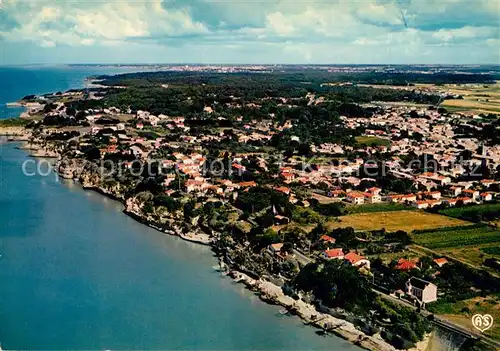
250	32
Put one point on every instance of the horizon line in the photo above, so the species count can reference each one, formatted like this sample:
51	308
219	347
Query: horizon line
246	64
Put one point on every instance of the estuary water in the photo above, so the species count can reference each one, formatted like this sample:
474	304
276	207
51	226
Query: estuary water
17	82
76	273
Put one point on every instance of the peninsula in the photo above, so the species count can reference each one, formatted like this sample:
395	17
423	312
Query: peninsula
364	201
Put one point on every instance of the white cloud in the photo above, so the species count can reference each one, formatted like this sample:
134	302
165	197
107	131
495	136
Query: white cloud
307	30
280	24
90	22
387	13
467	32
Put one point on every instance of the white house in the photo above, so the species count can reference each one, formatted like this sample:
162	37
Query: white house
372	198
422	291
486	196
473	194
426	204
441	180
355	198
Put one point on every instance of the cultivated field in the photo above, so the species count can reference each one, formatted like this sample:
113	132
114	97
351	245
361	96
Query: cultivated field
371	140
475	213
457	237
381	207
395	220
474	255
477	98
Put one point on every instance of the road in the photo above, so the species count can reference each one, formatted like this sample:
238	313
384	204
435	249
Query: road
441	321
303	259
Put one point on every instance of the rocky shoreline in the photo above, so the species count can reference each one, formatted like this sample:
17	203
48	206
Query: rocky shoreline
15	133
268	292
273	294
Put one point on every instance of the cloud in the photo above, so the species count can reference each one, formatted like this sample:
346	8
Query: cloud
275	30
466	33
90	22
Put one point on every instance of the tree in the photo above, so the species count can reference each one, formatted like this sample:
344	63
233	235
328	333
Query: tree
465	155
189	209
93	154
425	263
287	248
166	201
70	111
399	236
293	235
267	238
317	232
336	284
344	236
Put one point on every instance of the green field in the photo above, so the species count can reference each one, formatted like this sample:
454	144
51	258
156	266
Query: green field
370	140
460	236
492	250
474	213
367	208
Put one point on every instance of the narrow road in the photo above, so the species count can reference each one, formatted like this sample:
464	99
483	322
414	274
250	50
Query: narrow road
439	320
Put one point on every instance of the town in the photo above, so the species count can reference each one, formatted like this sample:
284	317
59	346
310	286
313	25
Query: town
375	204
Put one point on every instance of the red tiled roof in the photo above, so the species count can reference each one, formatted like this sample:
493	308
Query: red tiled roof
327	238
405	265
441	261
283	189
334	253
353	257
277	247
246	184
355	194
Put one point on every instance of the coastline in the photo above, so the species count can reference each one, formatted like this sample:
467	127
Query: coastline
15	133
267	291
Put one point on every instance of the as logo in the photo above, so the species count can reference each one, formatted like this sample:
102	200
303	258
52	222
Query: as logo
482	322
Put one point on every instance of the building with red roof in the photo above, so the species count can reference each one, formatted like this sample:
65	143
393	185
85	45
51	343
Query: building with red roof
333	254
356	260
441	261
405	265
327	238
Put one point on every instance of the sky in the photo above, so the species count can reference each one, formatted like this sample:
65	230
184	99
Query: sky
250	31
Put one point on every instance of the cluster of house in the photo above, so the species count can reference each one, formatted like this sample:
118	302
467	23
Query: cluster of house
352	258
418	290
438	143
465	192
436	137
